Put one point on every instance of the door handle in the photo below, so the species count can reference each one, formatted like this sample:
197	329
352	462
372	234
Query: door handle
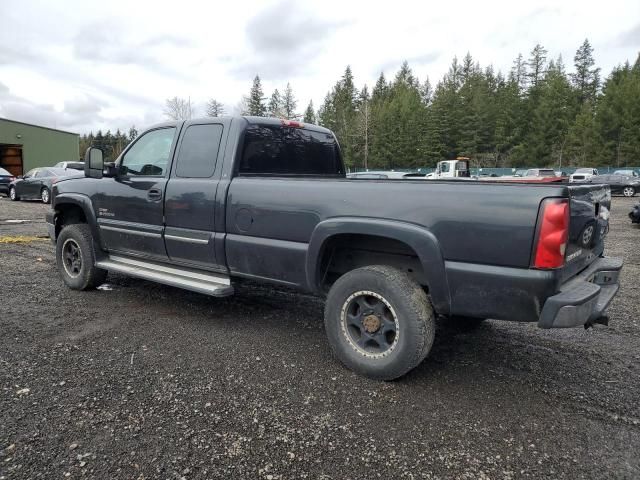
154	194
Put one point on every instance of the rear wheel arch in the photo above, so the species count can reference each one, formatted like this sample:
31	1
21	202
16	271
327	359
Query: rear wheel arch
399	240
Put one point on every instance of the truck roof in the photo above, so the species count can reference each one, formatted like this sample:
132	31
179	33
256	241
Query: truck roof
268	121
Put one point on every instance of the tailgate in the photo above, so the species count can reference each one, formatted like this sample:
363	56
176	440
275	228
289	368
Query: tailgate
588	225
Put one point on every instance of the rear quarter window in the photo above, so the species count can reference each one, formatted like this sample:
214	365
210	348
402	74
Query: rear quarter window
274	150
199	151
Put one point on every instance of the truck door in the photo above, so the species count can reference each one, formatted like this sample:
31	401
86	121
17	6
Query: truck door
129	207
190	197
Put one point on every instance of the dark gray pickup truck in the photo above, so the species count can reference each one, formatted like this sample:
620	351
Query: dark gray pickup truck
202	203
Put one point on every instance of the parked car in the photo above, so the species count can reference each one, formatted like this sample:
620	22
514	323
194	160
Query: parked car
634	214
583	174
203	203
628	173
37	183
5	179
72	165
620	184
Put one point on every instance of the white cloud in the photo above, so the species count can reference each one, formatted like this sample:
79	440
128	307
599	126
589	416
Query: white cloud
86	65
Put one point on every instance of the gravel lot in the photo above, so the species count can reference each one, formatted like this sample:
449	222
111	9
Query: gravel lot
148	381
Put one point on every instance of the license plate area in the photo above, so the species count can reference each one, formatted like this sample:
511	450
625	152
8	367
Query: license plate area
605	277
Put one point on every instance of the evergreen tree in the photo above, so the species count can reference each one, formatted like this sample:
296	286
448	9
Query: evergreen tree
309	114
618	116
275	105
583	140
289	103
551	118
133	133
255	100
519	74
586	79
537	65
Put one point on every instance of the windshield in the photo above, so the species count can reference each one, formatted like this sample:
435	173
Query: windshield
584	170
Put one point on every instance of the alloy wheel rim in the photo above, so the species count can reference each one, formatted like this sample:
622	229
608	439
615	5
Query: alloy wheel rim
12	194
370	324
72	258
45	195
587	235
628	192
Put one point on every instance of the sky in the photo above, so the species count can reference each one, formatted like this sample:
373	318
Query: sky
87	65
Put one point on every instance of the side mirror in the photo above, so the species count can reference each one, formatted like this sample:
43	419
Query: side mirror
93	163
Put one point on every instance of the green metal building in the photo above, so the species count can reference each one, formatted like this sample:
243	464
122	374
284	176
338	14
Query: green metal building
24	146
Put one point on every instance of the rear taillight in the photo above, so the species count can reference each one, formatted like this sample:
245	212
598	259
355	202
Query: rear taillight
11	179
552	236
54	180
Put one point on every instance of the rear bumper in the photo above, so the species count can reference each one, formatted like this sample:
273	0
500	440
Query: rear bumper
585	297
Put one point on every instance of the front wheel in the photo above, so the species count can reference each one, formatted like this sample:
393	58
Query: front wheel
379	321
13	194
76	258
45	195
628	191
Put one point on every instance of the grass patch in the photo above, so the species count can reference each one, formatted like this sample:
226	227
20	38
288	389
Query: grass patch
21	239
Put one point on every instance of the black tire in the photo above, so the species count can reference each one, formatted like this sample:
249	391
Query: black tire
406	310
83	275
45	195
13	195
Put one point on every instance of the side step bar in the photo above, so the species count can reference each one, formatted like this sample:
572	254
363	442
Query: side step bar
197	281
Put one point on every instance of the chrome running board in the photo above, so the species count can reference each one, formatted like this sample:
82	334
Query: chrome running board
196	281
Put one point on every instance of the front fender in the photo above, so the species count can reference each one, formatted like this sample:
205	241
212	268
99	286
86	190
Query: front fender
84	202
421	240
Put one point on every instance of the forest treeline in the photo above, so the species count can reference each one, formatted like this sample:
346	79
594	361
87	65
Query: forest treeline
537	114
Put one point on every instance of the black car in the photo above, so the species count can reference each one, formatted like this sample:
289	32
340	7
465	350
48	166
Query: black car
5	179
625	184
37	183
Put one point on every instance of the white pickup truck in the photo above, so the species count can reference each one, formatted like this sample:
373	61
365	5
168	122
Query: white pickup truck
583	175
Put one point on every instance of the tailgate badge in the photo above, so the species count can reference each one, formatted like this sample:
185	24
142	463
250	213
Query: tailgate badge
574	255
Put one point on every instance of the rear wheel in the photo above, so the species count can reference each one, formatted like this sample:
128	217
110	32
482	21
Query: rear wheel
628	191
45	195
76	258
379	321
13	194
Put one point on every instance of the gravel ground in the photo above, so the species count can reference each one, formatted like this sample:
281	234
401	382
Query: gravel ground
147	381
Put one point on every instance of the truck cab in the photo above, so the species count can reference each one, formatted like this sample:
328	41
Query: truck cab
458	168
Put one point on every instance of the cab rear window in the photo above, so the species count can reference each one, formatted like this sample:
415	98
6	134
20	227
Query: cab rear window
275	150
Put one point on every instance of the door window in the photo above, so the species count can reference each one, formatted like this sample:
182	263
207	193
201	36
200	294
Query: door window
149	156
444	167
30	173
199	151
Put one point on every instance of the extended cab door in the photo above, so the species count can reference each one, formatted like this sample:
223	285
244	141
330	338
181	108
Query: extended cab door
191	194
129	207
